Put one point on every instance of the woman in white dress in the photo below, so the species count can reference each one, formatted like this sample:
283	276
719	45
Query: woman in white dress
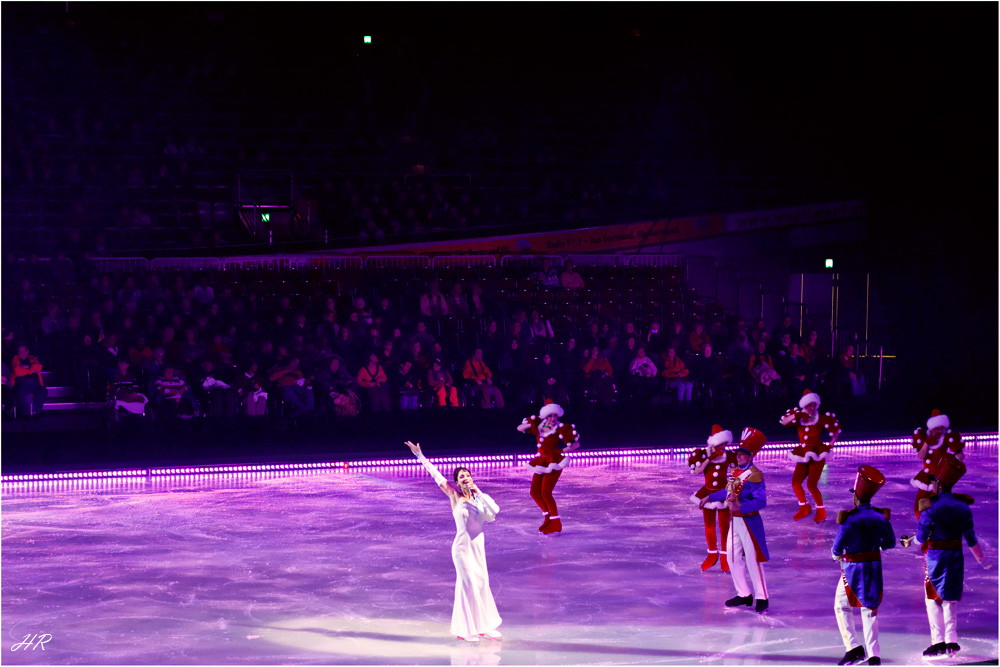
475	612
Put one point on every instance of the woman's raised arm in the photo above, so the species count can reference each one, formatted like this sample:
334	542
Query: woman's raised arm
437	476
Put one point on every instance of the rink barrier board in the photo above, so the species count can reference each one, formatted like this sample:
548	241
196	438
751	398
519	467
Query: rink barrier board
164	476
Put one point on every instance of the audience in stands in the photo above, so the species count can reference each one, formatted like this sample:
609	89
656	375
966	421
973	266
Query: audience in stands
195	355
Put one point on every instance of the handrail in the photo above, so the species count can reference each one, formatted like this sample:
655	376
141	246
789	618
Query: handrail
119	263
598	260
397	261
507	260
468	261
657	261
196	263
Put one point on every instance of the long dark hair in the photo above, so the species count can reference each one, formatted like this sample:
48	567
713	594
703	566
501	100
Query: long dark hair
458	470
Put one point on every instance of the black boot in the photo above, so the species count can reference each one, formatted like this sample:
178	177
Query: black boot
854	656
761	606
936	649
874	660
952	648
740	601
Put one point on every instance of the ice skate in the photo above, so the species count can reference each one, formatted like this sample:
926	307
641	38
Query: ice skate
804	511
820	514
935	650
710	560
554	526
854	656
740	601
725	563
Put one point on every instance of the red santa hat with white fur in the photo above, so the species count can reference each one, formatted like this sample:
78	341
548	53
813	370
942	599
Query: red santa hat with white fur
720	437
938	420
551	408
809	396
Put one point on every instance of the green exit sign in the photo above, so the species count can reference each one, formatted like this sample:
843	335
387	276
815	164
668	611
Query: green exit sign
829	263
368	39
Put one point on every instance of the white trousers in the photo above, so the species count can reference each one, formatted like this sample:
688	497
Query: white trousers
845	621
943	617
743	563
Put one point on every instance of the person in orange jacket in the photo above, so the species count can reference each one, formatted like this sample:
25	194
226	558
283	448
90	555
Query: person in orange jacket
677	376
29	388
477	372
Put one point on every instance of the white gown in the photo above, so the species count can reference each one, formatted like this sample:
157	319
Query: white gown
475	611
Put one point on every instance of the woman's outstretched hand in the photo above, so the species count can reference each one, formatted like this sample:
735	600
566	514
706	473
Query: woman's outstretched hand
415	448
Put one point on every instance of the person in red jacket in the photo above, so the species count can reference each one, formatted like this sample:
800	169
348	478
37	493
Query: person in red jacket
931	444
554	440
810	455
29	388
714	461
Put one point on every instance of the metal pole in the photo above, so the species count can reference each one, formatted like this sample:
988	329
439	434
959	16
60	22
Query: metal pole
880	357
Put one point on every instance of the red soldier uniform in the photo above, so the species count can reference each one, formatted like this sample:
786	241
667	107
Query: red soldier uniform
931	445
714	461
810	455
553	438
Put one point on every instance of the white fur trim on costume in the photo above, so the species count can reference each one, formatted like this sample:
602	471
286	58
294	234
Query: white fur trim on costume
811	397
551	409
552	467
720	438
135	407
938	420
809	456
711	505
917	484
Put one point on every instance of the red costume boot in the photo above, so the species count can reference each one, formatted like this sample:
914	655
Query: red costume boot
555	526
725	563
804	511
541	528
710	560
820	514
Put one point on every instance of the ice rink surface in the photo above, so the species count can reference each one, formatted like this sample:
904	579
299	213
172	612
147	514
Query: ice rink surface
353	567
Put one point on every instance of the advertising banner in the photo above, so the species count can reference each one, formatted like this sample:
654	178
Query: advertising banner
797	215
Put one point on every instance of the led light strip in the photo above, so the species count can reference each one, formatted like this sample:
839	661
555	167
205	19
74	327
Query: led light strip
250	471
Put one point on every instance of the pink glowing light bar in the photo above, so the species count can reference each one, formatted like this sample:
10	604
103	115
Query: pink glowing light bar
898	445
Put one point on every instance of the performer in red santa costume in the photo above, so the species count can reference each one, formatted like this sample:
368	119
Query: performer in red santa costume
810	455
931	444
554	439
714	461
